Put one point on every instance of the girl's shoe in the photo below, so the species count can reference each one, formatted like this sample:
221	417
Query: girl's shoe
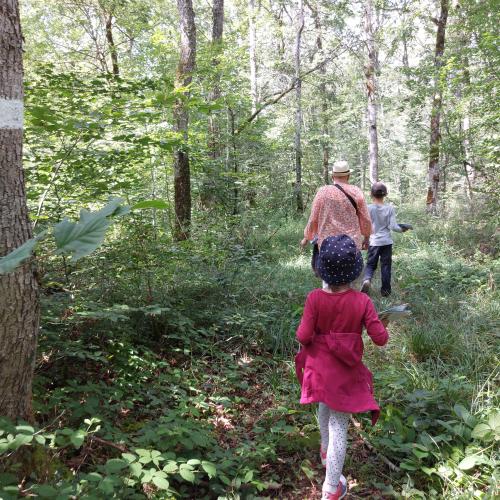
340	493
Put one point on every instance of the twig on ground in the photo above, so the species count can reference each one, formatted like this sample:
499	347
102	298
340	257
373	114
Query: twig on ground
384	459
105	442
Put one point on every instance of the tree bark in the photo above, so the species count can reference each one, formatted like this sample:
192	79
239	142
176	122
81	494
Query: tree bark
252	55
111	44
371	89
184	76
214	145
19	299
298	109
324	99
435	136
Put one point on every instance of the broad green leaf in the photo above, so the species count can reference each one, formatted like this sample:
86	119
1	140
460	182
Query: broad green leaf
135	469
159	204
45	490
469	462
77	438
115	465
171	467
187	474
82	238
17	256
494	422
129	457
160	482
209	468
481	431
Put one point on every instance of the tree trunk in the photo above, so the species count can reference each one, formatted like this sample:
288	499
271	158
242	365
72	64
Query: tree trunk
298	109
19	301
253	55
435	136
185	68
371	89
324	98
111	44
214	146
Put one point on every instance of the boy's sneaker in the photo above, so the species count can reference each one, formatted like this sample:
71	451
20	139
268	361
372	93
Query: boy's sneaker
385	293
365	288
340	493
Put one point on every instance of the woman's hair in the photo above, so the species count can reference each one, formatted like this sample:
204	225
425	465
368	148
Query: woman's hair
378	190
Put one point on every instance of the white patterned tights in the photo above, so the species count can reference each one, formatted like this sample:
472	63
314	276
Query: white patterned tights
333	429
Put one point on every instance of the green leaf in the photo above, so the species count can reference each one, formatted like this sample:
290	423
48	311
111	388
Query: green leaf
135	469
209	468
77	438
170	467
129	457
469	462
115	465
160	482
187	474
45	490
81	238
494	422
17	256
159	204
481	431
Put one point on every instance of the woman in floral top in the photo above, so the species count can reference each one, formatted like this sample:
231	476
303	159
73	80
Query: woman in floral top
339	209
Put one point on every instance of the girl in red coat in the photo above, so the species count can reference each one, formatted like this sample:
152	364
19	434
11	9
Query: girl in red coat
329	366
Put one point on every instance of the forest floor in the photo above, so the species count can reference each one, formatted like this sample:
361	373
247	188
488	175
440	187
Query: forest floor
180	362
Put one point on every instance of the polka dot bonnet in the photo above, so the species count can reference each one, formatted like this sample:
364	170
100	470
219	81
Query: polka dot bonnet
339	260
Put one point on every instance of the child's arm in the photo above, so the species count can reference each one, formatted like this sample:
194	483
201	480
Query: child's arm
374	327
305	331
393	225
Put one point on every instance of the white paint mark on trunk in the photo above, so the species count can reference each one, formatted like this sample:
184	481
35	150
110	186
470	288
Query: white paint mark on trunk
11	113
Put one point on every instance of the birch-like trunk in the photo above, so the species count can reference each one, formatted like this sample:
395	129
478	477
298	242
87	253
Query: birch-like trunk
371	90
184	76
19	300
435	135
298	109
252	55
325	149
214	146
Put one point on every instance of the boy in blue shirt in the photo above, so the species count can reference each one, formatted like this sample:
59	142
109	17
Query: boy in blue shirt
383	222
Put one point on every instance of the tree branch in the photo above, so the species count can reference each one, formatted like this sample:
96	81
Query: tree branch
280	96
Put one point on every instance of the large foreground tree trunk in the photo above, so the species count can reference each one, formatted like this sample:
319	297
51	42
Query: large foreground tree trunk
182	175
298	109
19	304
435	136
371	89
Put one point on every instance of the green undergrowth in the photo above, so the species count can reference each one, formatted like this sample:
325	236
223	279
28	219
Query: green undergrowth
165	370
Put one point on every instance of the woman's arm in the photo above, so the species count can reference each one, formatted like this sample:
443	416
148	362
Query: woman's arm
365	222
374	326
306	329
311	229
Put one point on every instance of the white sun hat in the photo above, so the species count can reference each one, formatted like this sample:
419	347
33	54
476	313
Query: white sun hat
340	168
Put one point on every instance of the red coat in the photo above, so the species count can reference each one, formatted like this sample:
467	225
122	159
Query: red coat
329	365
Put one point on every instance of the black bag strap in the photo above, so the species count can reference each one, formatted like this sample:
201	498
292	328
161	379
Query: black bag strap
349	197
